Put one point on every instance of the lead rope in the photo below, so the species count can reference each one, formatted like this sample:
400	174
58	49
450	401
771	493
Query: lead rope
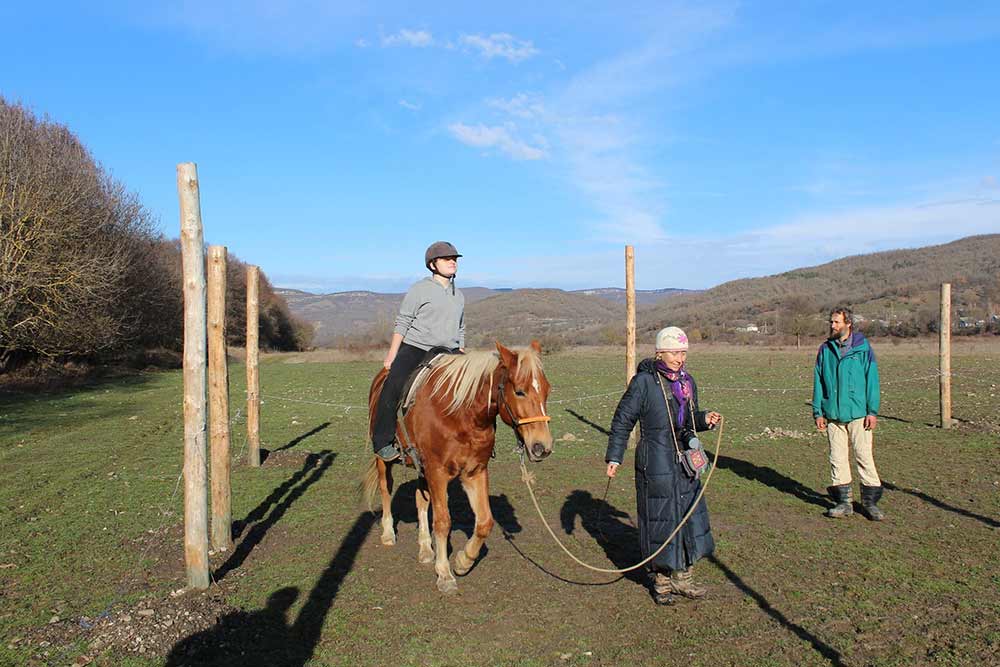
529	480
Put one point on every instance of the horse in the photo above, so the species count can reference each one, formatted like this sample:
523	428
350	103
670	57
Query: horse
452	424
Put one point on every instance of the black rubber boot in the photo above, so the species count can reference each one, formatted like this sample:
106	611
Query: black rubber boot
870	495
842	496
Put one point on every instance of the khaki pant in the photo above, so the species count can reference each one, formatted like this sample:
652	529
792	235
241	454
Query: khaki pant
843	436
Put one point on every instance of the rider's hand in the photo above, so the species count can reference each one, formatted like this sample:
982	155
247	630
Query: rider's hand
612	468
389	358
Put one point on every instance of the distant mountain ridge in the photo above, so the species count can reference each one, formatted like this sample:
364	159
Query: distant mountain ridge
358	312
900	285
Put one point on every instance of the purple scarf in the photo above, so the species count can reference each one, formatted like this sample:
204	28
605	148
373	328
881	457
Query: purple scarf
680	387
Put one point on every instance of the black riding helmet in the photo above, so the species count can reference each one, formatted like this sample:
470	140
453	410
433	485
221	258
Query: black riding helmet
437	250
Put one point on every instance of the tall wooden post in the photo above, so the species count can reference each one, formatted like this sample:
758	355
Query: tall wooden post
195	359
253	374
630	323
944	355
218	395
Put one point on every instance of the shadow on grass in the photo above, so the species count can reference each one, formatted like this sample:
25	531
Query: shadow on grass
596	427
312	469
610	527
24	411
821	647
294	441
774	479
267	637
943	505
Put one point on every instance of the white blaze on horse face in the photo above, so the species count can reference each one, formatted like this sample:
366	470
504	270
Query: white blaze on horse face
535	385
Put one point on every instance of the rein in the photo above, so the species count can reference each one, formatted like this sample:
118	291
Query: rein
529	480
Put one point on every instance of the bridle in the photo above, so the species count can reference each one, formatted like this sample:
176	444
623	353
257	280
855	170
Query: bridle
505	405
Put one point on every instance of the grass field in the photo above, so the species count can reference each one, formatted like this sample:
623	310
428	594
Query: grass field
91	556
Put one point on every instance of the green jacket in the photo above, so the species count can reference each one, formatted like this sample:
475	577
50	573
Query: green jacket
845	388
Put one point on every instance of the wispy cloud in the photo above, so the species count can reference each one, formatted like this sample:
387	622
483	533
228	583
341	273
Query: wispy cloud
500	45
412	106
521	105
414	38
500	137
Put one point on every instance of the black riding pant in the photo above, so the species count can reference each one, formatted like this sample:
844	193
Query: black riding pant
406	361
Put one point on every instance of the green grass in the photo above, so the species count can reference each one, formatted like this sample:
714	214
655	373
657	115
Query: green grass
91	522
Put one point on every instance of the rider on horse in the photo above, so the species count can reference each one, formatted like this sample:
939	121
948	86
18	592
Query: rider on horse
431	316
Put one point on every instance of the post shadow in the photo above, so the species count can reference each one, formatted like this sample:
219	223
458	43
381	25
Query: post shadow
596	427
943	505
266	638
294	441
818	645
317	464
774	479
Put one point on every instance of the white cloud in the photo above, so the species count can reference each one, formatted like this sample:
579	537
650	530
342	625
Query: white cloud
412	106
500	45
500	137
521	105
361	43
414	38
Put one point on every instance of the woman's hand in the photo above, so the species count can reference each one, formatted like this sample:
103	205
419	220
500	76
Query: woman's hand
389	358
612	469
713	418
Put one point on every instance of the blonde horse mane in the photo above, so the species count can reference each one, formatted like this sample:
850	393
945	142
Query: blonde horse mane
461	374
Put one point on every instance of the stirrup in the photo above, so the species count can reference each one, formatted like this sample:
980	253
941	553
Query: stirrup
388	453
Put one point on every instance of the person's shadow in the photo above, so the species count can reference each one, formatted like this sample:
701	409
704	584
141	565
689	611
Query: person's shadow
610	527
267	638
774	479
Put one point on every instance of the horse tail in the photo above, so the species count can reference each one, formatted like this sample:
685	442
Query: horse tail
368	489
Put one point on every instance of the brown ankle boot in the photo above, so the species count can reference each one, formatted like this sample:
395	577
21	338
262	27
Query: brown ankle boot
682	583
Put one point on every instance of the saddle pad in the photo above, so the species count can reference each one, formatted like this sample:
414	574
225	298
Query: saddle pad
416	380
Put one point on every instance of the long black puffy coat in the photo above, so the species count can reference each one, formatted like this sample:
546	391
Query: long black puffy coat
664	492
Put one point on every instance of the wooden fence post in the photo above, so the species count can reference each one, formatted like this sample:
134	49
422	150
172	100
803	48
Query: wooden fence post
195	359
944	355
630	324
253	374
218	394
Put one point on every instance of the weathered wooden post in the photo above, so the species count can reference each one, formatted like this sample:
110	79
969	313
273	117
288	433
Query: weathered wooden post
253	359
944	355
195	490
218	395
630	323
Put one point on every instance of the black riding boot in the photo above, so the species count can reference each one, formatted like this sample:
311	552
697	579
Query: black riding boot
842	496
870	495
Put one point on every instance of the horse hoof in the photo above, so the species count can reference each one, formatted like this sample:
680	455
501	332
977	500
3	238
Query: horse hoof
389	540
462	564
447	586
425	556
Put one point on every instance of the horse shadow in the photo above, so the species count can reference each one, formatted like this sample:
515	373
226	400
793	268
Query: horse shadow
774	479
610	527
268	637
313	468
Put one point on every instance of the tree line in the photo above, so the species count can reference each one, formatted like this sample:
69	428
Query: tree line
84	273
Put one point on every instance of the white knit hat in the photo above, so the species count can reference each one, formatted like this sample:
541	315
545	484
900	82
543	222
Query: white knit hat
671	339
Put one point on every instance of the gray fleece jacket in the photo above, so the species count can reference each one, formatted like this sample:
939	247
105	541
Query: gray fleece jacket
432	316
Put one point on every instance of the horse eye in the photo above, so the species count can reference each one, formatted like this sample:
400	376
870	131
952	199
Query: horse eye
518	392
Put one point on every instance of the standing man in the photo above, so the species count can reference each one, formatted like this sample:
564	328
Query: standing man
845	404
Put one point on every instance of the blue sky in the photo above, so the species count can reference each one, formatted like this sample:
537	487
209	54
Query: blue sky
336	140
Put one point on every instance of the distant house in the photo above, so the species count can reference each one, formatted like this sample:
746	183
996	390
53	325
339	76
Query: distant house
966	323
741	326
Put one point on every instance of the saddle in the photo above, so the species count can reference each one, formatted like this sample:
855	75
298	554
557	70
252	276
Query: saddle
411	457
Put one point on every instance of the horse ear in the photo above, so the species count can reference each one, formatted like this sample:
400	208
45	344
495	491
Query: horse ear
506	356
536	346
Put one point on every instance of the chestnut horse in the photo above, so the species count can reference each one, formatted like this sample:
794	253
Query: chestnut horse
452	424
